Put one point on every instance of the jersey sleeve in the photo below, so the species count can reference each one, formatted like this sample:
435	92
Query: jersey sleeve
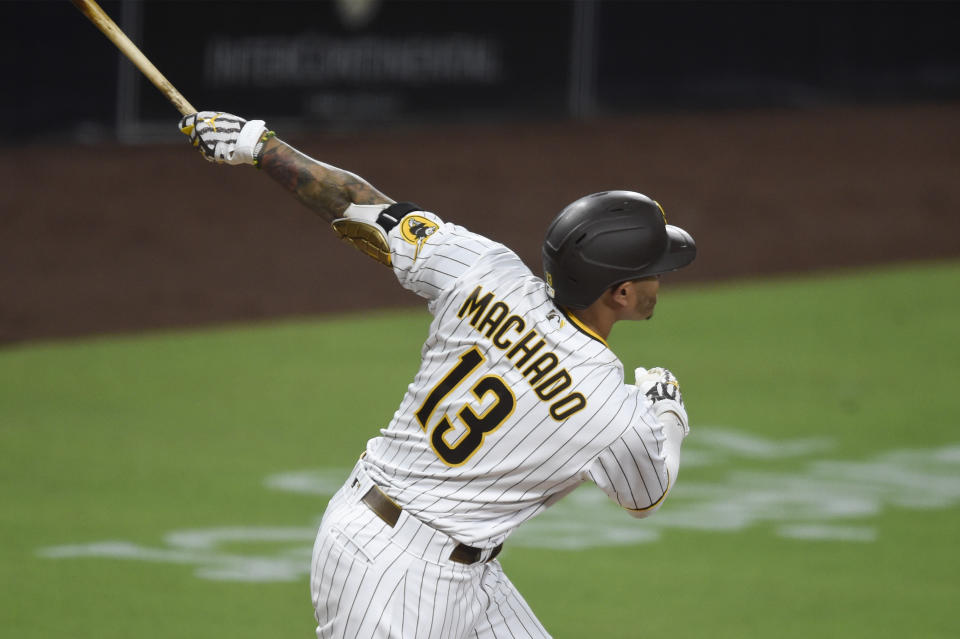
638	468
428	255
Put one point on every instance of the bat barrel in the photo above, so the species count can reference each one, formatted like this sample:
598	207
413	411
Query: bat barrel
109	28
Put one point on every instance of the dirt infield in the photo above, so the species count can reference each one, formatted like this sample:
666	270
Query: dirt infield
116	238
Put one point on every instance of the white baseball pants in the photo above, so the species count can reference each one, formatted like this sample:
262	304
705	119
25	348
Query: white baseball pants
369	580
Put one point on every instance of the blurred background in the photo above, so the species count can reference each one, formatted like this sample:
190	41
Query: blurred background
785	136
189	363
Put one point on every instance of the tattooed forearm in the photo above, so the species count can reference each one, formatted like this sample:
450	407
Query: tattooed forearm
325	189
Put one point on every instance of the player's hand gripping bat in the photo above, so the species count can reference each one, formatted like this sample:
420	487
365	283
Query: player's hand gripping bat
109	28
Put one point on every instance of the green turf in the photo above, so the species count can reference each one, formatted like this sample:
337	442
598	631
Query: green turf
132	439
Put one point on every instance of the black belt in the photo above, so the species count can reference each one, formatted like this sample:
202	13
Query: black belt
389	512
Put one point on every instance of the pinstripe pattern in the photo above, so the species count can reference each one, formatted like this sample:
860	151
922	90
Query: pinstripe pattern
563	416
370	580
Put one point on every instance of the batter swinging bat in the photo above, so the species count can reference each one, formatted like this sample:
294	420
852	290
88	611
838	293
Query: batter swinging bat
110	29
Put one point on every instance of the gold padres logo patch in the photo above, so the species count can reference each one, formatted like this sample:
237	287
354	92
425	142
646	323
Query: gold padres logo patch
416	228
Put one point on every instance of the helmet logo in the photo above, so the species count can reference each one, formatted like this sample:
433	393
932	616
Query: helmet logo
550	290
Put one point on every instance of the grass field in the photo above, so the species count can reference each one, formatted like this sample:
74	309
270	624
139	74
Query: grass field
169	485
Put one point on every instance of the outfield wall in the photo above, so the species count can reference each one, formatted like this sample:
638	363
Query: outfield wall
111	238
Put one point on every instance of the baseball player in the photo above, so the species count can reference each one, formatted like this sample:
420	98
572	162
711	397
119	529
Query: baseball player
518	399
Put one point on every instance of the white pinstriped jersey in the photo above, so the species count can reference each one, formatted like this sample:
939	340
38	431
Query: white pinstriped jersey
515	403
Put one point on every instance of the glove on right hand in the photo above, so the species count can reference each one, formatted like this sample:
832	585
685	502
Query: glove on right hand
663	389
223	138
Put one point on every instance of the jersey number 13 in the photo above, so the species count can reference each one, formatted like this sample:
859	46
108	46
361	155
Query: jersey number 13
478	426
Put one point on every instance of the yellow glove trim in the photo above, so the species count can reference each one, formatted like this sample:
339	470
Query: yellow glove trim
212	122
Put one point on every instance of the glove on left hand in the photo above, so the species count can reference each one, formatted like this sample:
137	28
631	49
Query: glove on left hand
663	389
223	138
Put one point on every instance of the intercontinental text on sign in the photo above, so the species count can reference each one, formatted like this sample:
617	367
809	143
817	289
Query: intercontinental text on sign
313	60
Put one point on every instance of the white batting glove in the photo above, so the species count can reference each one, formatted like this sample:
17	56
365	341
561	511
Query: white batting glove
224	138
663	390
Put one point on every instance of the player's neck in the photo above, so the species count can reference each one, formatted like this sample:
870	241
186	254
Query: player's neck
597	318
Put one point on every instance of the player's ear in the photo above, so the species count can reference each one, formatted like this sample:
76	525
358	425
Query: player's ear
619	294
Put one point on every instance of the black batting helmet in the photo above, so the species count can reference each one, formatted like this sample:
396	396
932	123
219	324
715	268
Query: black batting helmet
606	238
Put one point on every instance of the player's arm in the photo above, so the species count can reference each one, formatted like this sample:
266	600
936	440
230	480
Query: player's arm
639	469
357	211
324	189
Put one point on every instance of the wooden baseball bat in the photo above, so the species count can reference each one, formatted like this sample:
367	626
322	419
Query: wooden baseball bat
110	29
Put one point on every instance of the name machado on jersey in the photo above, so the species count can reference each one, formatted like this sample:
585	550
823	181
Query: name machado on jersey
494	321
